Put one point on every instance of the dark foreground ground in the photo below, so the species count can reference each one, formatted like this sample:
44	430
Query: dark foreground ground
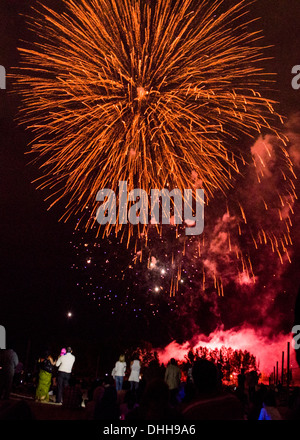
25	408
18	408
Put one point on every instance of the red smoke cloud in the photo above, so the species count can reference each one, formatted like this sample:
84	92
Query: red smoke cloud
267	350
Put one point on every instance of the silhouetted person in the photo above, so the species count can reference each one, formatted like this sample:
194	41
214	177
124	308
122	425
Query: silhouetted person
153	371
269	409
95	394
241	380
173	380
8	363
15	410
240	392
252	384
256	402
72	395
128	404
210	402
107	407
189	388
155	404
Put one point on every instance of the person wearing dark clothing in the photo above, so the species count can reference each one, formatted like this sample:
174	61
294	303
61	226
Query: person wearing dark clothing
8	363
252	384
153	371
15	410
128	404
210	402
269	409
72	395
240	391
107	407
173	380
155	404
256	402
241	380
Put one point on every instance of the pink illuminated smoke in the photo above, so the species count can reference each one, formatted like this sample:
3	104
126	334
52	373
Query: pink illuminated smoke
267	351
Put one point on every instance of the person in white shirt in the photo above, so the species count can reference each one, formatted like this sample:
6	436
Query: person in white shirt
134	378
119	372
65	364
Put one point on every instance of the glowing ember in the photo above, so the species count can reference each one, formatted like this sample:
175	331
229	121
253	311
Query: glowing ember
141	92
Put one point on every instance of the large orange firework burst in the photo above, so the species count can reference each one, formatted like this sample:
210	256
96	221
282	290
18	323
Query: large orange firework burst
149	92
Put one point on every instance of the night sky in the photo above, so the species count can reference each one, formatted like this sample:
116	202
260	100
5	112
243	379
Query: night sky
38	284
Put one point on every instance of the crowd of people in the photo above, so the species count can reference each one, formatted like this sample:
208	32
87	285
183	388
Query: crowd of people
133	391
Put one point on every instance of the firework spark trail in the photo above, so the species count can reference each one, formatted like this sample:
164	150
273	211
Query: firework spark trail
254	220
148	93
249	259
